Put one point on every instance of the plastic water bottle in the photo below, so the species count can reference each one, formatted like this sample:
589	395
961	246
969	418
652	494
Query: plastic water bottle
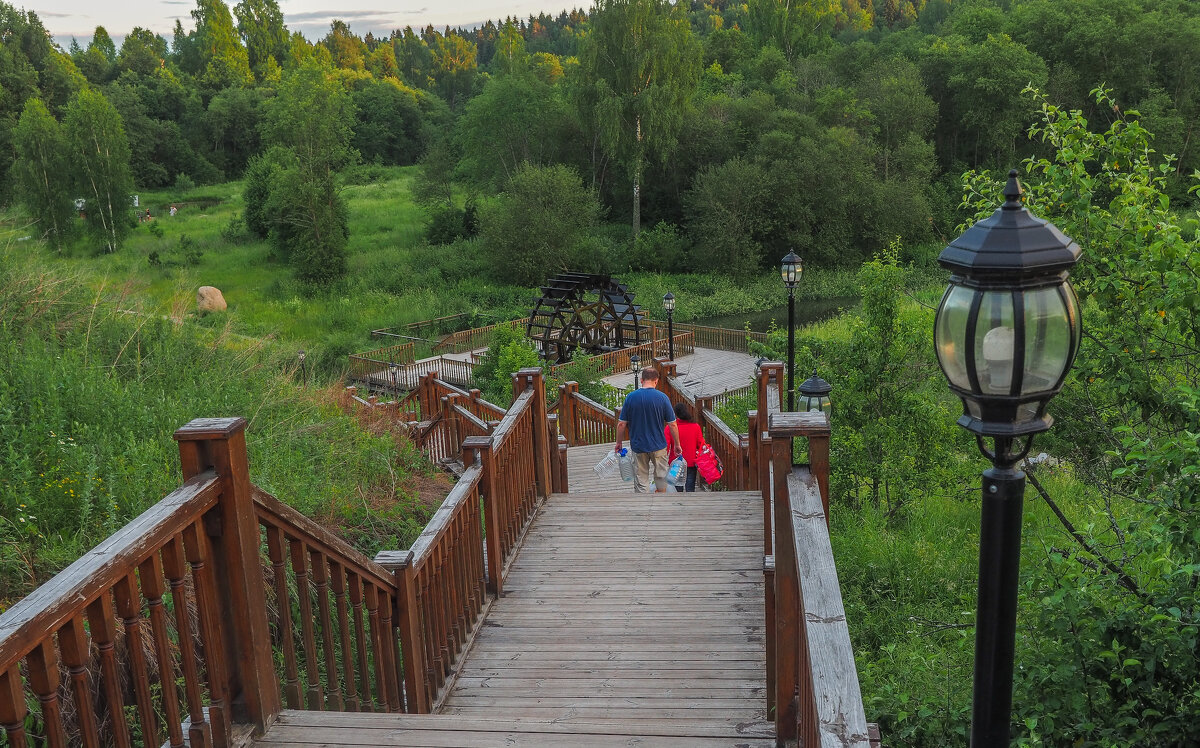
626	465
677	475
608	465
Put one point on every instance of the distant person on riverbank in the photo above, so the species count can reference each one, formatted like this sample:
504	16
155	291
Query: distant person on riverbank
647	417
691	438
174	210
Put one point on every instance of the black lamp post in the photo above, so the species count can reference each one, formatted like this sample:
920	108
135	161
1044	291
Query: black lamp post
1006	334
634	360
303	371
669	305
791	270
394	368
814	394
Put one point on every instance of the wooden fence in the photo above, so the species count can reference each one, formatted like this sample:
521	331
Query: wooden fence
379	364
473	339
719	338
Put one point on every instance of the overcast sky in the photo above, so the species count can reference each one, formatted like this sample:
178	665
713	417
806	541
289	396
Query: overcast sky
77	18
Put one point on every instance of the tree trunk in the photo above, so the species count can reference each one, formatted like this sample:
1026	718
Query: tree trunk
637	183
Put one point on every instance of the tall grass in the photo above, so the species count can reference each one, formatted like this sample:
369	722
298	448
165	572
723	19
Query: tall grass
95	382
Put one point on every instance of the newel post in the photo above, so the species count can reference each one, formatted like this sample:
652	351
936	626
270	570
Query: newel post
568	418
220	444
788	628
481	449
533	377
408	621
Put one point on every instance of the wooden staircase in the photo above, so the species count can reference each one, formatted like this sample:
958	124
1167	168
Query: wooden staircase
626	619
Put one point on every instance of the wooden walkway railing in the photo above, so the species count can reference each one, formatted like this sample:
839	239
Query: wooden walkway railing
720	338
380	363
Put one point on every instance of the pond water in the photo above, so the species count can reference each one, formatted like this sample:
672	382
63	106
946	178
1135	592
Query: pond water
807	312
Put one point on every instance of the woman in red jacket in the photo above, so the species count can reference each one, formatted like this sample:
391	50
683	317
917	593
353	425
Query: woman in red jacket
691	438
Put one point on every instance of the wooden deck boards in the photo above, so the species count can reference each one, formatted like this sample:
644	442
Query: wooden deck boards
627	619
630	607
706	372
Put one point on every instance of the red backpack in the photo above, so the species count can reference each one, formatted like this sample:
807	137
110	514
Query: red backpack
709	465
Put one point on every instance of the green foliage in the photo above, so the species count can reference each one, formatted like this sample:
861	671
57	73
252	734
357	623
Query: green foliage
39	172
390	128
532	228
508	351
256	192
1125	670
99	155
309	224
662	249
223	60
91	394
260	24
313	115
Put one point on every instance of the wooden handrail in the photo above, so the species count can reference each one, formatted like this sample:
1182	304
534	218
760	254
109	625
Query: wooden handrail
719	338
816	694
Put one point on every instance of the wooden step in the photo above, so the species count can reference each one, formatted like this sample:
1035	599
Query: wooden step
334	729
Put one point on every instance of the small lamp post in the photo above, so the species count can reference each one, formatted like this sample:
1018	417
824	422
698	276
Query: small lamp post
791	270
669	305
634	361
1006	332
303	371
394	369
814	394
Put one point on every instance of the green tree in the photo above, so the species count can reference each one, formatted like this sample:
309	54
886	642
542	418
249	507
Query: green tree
223	60
729	214
99	154
309	223
231	124
256	190
314	116
642	63
511	56
346	49
260	24
390	125
517	119
532	228
143	52
40	171
453	67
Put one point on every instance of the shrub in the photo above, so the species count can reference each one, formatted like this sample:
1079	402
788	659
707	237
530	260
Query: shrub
184	184
531	229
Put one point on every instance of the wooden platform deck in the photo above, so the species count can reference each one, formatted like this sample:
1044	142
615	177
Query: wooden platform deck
706	372
627	619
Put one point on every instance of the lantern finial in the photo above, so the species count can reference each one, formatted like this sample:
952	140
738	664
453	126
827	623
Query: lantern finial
1012	192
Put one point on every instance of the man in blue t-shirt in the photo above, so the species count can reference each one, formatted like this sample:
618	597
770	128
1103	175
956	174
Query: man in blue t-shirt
644	415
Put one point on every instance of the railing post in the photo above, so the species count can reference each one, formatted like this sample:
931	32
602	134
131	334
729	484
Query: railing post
787	593
769	588
532	377
818	459
408	621
752	453
220	444
482	448
568	412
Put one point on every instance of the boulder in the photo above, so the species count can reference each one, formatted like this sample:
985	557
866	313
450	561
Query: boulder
209	299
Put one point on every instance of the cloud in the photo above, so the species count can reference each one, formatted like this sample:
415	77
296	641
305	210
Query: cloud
348	16
54	14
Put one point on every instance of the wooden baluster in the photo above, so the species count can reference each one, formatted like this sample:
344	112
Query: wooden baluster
103	632
387	637
787	595
354	584
320	574
12	706
312	668
818	458
441	614
173	563
220	444
128	607
427	601
208	613
73	647
283	616
150	572
372	601
482	450
752	452
562	465
43	681
338	579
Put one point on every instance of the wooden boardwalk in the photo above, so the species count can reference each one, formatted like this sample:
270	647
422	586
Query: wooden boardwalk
706	372
626	619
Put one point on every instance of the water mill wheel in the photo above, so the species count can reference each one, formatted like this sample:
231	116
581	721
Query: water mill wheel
582	311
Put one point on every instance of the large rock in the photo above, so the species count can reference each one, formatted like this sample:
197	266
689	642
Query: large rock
209	299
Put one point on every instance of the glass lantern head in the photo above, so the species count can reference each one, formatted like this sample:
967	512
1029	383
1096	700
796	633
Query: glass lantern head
1008	327
814	394
669	302
791	269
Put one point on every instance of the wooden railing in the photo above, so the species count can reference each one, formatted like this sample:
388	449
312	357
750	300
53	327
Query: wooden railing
812	681
319	582
477	337
620	360
379	363
720	338
582	420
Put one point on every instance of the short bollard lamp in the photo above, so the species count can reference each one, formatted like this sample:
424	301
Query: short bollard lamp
1006	334
669	306
814	394
634	361
303	372
791	268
